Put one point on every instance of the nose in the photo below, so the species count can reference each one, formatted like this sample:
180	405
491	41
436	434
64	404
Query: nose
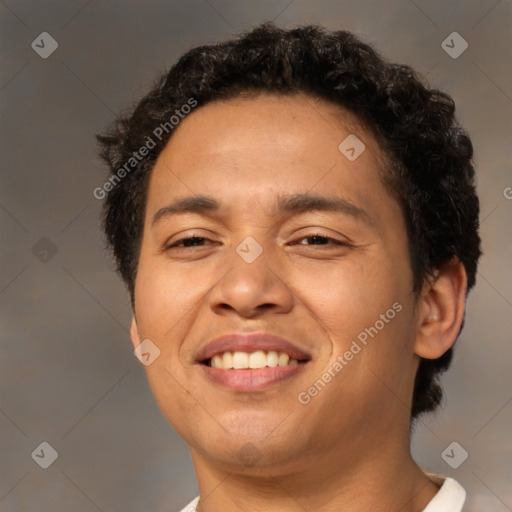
251	290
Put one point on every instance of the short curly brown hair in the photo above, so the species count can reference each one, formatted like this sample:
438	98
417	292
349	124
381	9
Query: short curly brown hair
431	173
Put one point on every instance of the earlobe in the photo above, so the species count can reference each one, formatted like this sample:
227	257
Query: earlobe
134	333
441	311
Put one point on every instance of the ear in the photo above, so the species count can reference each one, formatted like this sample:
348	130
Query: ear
441	310
134	333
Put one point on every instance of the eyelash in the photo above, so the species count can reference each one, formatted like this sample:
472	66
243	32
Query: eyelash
313	235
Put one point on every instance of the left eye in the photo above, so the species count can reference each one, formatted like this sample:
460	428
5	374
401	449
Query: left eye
320	240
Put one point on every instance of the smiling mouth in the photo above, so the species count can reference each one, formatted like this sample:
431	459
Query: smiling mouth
251	372
239	360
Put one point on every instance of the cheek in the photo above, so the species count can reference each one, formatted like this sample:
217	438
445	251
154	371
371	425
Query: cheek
165	294
347	298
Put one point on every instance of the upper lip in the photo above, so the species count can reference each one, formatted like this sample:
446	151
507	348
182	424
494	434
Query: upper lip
244	342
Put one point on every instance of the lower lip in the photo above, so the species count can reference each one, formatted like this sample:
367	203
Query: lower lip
252	380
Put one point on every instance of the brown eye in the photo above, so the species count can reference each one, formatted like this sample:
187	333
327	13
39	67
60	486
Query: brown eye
317	239
192	241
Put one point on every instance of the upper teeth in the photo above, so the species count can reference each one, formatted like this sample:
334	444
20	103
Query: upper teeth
258	359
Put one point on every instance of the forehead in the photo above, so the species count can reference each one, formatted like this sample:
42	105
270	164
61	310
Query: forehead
281	123
249	148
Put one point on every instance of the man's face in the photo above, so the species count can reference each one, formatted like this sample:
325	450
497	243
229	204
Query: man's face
323	279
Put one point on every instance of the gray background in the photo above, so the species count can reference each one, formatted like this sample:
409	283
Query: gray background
67	372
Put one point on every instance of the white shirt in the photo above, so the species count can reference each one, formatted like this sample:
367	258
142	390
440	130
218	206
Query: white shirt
449	498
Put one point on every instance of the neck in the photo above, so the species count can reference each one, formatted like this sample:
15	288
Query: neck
352	478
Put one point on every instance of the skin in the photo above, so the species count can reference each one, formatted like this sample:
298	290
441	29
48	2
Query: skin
348	448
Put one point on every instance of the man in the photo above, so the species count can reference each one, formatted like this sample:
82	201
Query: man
297	225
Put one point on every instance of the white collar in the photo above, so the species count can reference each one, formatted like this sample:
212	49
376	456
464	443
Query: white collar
191	507
449	498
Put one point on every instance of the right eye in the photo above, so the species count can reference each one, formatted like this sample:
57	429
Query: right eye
185	243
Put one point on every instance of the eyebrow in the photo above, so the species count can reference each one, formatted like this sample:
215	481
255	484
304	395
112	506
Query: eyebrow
285	204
